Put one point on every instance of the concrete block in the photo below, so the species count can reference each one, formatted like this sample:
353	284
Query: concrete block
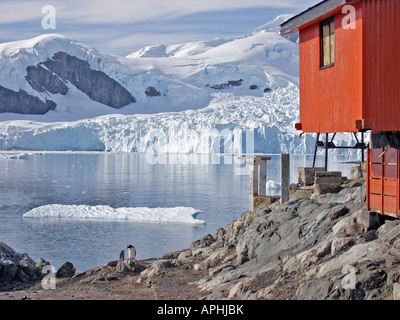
327	181
364	168
307	175
265	200
370	220
301	193
356	173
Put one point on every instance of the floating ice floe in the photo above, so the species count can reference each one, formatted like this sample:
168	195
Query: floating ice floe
14	156
143	214
273	185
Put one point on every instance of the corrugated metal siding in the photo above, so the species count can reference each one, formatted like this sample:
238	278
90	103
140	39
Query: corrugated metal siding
381	47
383	181
331	99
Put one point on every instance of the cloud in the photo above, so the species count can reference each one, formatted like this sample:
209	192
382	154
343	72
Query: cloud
123	26
124	11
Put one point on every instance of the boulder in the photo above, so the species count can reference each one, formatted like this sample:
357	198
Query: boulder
28	266
41	263
8	271
67	270
121	266
16	266
132	265
341	244
360	221
158	267
205	265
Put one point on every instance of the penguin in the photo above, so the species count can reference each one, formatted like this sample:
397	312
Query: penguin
131	252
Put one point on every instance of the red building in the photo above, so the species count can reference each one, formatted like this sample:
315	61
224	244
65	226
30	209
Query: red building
350	82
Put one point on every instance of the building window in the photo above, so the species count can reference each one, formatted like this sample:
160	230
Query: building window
327	43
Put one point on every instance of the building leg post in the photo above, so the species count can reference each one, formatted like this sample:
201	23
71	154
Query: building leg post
262	178
251	186
326	151
285	177
315	150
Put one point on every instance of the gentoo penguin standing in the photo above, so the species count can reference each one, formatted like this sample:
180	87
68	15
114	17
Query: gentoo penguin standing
131	252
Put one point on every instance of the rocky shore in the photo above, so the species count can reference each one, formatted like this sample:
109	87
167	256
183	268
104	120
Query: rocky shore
324	247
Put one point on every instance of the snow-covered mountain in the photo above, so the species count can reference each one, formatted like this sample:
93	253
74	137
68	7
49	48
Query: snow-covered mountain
100	102
274	26
59	71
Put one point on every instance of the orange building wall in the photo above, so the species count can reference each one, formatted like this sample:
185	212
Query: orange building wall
331	99
383	181
382	63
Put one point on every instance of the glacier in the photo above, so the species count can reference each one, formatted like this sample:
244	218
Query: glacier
228	117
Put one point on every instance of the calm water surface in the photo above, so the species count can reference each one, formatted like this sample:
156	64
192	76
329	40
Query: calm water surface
220	191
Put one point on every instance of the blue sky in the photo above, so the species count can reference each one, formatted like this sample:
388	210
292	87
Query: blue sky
122	26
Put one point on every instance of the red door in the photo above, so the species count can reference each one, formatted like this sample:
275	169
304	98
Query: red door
383	181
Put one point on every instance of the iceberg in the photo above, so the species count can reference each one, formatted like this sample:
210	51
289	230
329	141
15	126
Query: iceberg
141	214
273	185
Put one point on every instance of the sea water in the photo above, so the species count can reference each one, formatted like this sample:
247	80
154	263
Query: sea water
216	188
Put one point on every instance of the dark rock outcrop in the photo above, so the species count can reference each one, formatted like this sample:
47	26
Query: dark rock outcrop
152	92
53	76
226	85
42	80
22	102
16	267
96	84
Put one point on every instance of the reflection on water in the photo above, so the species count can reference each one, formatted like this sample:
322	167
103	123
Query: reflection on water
216	186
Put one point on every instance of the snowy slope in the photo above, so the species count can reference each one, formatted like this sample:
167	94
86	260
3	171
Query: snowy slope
274	26
233	58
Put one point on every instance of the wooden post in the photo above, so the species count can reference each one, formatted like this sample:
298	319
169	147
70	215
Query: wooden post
285	177
251	185
315	151
326	151
262	177
362	150
257	177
